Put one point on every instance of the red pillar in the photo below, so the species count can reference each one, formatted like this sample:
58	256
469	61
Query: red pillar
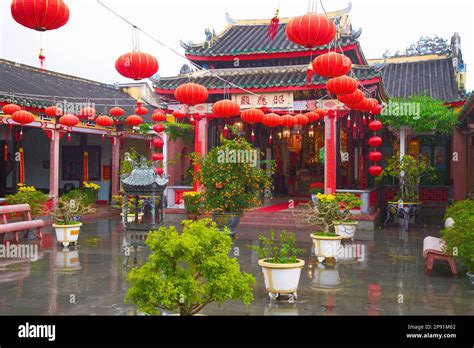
200	142
330	153
54	166
115	180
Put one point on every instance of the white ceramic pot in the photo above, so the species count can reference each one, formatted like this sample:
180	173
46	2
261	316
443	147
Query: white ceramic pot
281	278
67	234
67	260
346	230
131	217
326	247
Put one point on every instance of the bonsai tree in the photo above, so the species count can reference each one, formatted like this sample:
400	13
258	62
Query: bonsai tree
187	271
30	195
67	210
281	250
410	172
231	177
459	239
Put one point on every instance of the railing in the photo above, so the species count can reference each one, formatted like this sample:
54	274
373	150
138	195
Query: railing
434	194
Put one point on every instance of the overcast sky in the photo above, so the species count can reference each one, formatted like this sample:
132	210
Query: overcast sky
89	43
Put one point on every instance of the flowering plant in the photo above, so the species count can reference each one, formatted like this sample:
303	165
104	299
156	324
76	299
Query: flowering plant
192	201
91	186
316	187
30	195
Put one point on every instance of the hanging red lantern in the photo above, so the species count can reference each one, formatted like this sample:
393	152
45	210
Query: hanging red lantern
158	116
40	15
312	116
158	143
104	121
363	106
331	64
288	121
375	170
377	109
134	120
341	85
158	128
351	98
179	114
226	108
252	116
23	117
10	109
372	103
158	157
375	156
191	94
301	119
159	171
87	112
311	30
117	112
141	110
375	125
69	120
375	141
136	65
271	120
53	111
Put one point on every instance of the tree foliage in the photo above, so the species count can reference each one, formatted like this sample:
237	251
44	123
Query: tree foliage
187	271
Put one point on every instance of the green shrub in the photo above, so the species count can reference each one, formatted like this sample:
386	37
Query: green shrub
187	271
281	250
192	202
28	194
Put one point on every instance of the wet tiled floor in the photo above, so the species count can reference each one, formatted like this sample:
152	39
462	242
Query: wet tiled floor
382	273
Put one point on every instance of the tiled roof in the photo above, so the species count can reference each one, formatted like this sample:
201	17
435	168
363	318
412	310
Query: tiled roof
17	80
434	77
142	176
280	76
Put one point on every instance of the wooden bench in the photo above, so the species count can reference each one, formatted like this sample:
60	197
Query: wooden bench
16	227
432	250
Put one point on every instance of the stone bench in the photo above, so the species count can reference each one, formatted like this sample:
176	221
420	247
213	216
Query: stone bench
432	250
16	227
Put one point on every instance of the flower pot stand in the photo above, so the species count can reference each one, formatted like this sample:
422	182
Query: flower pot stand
404	211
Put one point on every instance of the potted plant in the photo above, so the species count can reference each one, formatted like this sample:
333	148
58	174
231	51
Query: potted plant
280	266
65	225
188	270
30	195
314	189
192	203
344	225
233	181
91	191
459	238
119	201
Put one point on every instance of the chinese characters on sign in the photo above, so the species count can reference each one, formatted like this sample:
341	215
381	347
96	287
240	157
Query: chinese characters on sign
269	100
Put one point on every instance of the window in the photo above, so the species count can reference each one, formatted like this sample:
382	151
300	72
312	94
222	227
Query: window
72	165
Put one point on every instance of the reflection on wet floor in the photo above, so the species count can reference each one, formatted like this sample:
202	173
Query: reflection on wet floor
376	274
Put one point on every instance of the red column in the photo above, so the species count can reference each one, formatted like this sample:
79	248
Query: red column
330	153
200	142
54	166
115	180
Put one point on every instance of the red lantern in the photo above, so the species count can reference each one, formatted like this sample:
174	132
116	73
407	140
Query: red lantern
158	116
375	141
288	121
158	143
252	116
375	170
40	15
271	120
87	112
117	112
104	121
158	128
375	125
23	117
136	65
377	110
332	64
10	109
372	103
69	120
178	114
302	120
363	106
53	111
341	85
351	98
158	157
311	30
312	116
159	171
226	108
141	110
134	120
191	94
375	156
